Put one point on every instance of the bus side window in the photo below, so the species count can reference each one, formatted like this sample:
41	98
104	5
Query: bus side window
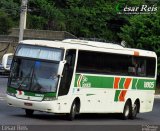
138	67
150	67
67	73
142	68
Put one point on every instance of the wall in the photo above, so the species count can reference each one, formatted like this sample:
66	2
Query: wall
9	42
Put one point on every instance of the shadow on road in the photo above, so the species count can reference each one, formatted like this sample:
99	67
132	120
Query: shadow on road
90	117
4	76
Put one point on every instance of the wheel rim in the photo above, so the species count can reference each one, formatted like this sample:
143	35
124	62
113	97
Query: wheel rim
134	113
126	111
73	110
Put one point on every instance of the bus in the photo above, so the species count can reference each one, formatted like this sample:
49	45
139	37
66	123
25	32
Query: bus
78	76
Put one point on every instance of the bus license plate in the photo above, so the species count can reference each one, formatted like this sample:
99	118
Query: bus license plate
28	104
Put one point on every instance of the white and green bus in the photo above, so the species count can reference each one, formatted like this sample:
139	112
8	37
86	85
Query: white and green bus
77	76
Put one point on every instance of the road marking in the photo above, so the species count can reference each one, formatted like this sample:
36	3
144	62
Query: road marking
2	98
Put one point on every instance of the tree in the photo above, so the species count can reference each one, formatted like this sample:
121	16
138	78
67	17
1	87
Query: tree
52	18
143	31
92	18
5	23
11	8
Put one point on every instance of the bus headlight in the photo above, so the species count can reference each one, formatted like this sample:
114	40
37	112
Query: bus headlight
49	98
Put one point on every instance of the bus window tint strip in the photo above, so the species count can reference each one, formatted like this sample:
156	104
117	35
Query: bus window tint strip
40	52
115	64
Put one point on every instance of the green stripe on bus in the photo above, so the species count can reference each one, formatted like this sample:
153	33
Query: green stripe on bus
35	94
101	82
134	82
52	94
117	95
108	82
146	84
94	81
121	83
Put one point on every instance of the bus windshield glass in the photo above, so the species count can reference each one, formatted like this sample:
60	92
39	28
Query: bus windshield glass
35	68
34	76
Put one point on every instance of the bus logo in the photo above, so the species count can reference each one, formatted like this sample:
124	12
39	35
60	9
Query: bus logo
83	81
28	98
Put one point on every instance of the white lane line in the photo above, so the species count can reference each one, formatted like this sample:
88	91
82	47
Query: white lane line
2	98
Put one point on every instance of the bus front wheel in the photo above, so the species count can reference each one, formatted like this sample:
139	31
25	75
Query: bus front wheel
73	111
29	112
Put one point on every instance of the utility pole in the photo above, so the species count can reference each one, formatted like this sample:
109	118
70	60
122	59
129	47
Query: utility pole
23	15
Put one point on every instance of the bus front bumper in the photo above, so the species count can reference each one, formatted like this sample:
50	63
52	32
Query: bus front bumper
45	106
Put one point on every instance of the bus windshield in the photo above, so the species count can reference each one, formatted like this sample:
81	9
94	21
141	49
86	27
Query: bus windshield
34	75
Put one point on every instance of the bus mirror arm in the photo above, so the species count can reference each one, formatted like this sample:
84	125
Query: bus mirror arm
60	68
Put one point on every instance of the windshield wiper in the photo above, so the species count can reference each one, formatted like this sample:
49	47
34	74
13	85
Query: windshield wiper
20	85
30	74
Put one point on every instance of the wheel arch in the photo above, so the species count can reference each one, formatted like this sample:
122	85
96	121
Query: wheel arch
129	100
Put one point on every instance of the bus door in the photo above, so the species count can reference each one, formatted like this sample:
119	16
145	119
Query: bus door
67	73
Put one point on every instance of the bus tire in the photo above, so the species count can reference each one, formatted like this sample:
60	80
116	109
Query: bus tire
127	111
135	109
29	112
73	111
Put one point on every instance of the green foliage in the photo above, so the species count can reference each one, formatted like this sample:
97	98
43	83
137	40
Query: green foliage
86	18
143	31
10	7
36	22
5	23
89	19
54	18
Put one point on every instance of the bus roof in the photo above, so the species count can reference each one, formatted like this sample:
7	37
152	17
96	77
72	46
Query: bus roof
90	46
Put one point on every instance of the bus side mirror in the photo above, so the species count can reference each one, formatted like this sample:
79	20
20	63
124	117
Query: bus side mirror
60	68
6	61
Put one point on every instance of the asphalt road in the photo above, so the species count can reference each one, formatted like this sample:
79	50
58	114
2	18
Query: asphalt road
3	85
15	116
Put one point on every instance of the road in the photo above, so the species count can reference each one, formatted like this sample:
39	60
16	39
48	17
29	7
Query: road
3	85
15	116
